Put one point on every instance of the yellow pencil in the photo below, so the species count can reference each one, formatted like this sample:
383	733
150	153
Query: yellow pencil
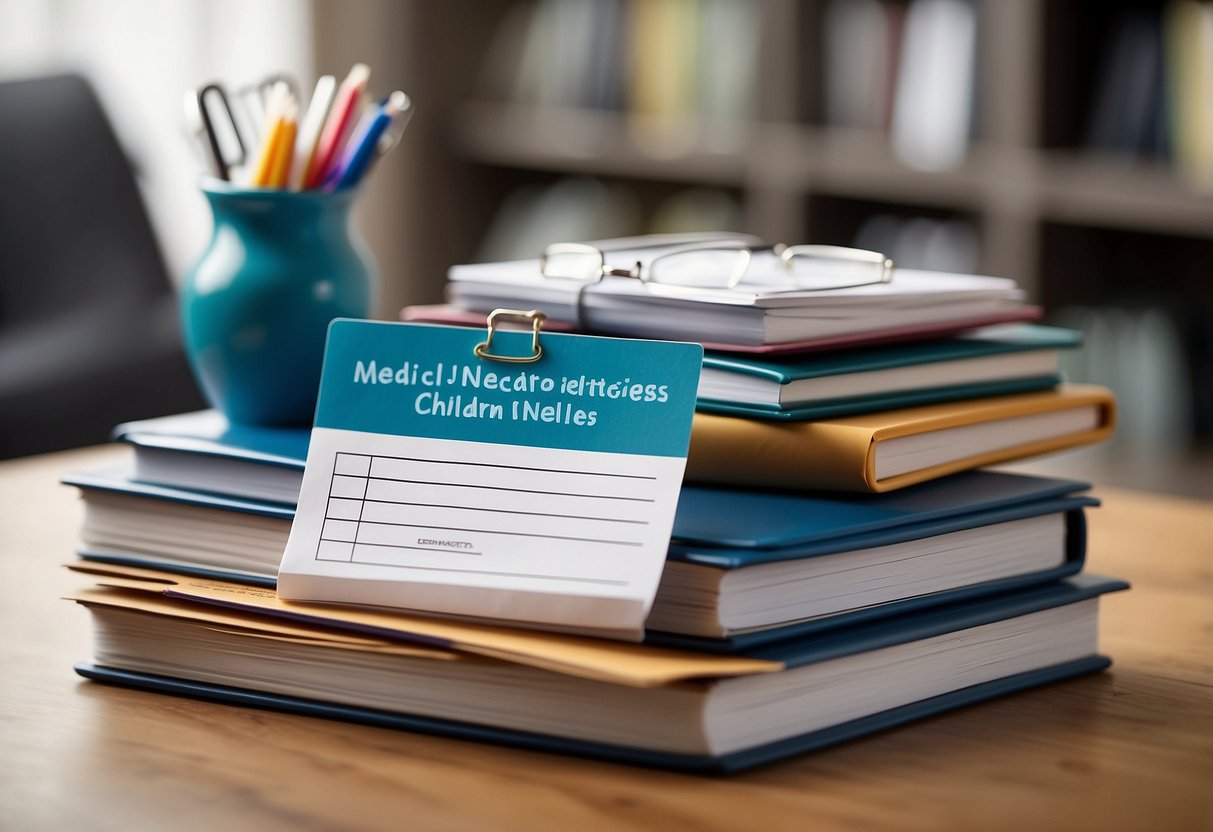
281	166
275	117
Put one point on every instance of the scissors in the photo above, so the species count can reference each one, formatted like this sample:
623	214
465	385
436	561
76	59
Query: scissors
209	116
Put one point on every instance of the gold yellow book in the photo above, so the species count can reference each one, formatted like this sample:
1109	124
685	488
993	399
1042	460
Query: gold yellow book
663	48
1188	38
895	448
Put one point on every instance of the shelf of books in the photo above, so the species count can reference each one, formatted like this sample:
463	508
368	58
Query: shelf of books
1004	121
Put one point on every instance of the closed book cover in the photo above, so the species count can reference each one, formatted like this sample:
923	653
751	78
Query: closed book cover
982	363
715	722
753	567
892	449
817	589
204	452
732	527
209	433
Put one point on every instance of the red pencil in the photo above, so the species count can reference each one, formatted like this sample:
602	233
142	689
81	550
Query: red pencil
340	121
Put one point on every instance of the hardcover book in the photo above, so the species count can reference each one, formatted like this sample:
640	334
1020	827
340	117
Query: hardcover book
628	703
992	361
744	567
892	449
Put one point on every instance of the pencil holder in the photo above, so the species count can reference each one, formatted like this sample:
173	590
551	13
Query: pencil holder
256	305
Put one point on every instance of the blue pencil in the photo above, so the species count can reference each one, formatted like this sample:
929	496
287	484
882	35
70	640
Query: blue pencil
364	145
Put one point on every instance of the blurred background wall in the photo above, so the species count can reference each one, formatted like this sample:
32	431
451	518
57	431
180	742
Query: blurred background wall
1066	144
141	58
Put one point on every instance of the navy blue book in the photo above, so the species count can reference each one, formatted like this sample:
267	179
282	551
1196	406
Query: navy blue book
802	695
744	567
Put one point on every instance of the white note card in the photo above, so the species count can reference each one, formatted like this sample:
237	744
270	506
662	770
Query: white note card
541	494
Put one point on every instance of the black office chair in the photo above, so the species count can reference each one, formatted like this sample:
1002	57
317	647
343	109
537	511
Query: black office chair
88	324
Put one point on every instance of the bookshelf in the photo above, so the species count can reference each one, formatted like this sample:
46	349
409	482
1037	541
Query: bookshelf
1041	204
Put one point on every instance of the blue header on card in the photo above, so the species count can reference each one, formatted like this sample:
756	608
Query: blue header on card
611	395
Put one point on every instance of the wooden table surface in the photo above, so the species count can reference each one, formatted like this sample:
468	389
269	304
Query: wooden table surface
1127	749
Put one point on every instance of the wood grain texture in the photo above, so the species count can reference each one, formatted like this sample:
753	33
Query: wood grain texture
1127	749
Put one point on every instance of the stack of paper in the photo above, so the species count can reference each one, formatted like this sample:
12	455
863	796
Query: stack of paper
761	315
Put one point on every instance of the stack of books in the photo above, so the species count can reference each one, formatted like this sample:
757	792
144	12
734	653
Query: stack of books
838	566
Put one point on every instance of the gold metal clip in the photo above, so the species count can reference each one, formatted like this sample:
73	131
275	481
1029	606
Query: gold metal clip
536	318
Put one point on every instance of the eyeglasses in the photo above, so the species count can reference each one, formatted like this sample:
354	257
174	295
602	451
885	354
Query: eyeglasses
722	266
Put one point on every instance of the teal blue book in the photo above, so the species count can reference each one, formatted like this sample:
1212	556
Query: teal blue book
811	693
989	362
744	567
204	452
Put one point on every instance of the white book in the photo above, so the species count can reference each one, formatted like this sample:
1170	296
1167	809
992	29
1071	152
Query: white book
932	107
764	308
972	653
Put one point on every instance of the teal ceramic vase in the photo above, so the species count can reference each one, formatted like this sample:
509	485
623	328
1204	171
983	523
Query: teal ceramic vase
256	306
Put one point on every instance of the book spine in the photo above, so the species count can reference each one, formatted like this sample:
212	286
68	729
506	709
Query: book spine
800	455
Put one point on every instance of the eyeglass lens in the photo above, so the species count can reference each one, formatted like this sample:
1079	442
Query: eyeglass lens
582	265
702	268
816	271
